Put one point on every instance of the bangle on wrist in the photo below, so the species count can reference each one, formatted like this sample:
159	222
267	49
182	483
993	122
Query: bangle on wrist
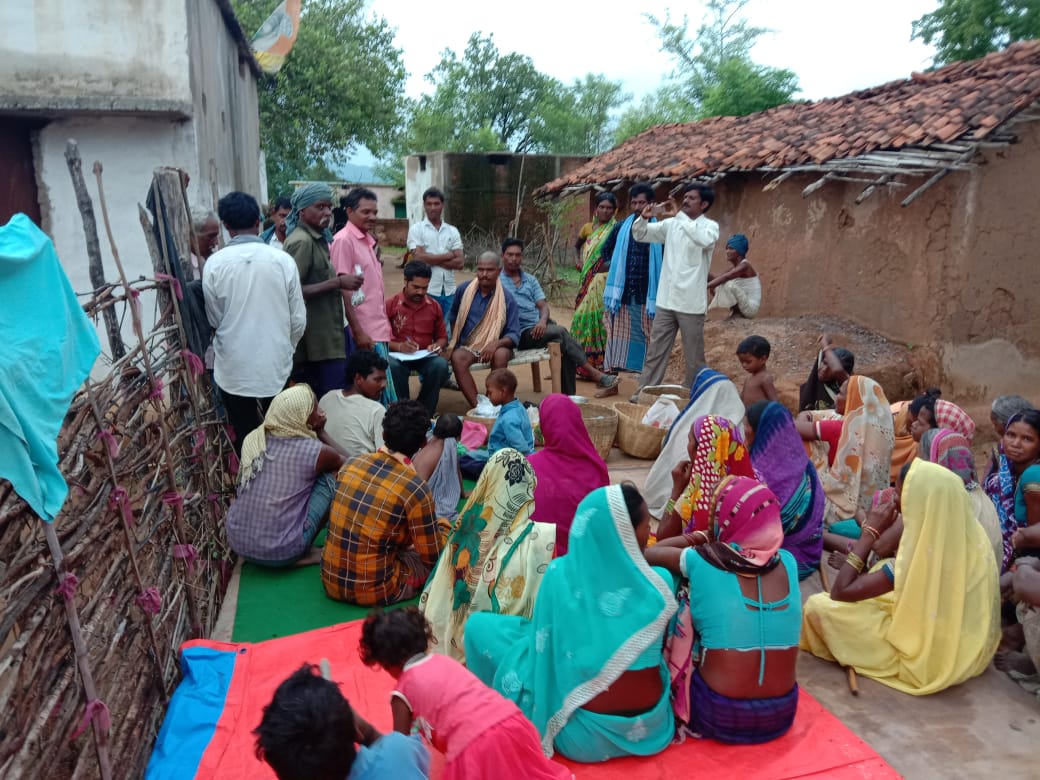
855	562
872	531
669	506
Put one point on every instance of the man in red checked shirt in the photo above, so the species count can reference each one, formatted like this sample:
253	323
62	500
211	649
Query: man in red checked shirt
417	323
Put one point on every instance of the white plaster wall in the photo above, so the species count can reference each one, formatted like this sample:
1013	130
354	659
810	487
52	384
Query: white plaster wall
129	151
101	54
416	181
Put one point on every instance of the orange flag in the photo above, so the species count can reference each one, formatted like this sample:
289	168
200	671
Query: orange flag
276	36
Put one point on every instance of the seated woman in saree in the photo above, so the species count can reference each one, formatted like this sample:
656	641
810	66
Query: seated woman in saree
712	393
716	450
590	700
286	482
587	323
929	411
1014	487
858	457
733	653
1001	410
833	365
928	620
779	461
952	451
568	467
495	556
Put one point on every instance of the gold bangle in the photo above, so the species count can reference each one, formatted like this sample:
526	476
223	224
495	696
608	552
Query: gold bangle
872	531
855	562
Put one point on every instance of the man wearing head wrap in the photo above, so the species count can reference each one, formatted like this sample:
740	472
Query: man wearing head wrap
321	355
739	289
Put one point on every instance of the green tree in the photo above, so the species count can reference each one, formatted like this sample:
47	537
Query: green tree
714	74
578	119
487	101
341	86
969	29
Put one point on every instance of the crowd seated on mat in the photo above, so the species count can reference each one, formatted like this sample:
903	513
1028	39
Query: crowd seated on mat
745	518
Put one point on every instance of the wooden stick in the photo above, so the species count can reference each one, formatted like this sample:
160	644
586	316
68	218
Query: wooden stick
82	654
95	267
850	675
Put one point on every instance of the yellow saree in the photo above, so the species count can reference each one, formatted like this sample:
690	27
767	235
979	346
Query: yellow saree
940	625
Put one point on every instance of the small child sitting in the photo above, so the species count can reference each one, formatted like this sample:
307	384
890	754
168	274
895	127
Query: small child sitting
309	729
511	429
438	464
482	733
513	426
753	354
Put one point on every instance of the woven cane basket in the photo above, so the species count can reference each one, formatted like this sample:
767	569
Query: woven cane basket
634	438
650	394
602	423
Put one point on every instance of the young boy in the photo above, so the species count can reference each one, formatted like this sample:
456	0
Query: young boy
511	429
513	426
309	729
753	354
355	416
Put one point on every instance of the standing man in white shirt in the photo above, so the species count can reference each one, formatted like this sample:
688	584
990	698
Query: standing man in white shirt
254	301
439	245
682	292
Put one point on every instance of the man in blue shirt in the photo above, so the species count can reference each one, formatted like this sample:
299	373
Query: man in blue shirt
537	330
485	325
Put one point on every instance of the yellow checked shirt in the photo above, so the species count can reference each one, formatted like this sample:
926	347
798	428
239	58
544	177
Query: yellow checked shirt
381	509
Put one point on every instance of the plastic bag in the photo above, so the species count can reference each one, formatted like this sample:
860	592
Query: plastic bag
485	408
662	414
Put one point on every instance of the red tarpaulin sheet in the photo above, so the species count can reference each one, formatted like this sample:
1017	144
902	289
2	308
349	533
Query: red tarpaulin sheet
818	744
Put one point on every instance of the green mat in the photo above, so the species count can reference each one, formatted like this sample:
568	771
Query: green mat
279	602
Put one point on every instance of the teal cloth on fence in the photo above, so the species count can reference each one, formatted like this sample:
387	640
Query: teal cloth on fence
49	347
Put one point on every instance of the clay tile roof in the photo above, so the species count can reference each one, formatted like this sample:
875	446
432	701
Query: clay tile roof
961	103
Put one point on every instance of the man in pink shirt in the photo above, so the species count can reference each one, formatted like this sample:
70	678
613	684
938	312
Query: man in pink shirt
353	251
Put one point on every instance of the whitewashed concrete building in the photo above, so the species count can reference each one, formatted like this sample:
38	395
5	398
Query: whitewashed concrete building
138	85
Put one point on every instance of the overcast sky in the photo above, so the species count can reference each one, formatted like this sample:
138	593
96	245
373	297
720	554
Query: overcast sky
835	46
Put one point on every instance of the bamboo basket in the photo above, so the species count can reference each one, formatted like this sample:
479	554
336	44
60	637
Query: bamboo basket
648	395
602	423
634	438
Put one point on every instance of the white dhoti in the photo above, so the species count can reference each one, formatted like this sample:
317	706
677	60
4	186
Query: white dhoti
744	293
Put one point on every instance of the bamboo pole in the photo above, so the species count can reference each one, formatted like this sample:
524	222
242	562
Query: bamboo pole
95	267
